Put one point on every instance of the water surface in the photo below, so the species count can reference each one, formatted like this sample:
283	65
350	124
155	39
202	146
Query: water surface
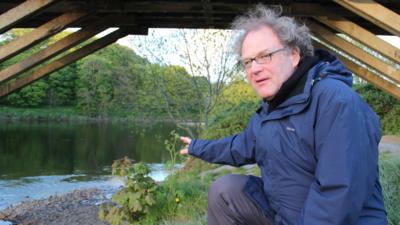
41	159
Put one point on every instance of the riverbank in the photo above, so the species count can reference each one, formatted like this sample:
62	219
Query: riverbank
71	115
77	207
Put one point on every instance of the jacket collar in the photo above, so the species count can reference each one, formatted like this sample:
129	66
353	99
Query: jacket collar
295	84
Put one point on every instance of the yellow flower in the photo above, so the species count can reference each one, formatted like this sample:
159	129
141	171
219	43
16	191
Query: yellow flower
177	200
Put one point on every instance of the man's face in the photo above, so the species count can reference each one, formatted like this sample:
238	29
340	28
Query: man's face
267	78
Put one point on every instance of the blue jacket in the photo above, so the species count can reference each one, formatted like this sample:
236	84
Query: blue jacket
317	152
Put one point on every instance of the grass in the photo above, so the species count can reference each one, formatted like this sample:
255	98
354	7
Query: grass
69	114
190	188
40	114
390	180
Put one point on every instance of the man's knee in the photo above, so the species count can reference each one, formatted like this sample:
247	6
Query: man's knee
228	185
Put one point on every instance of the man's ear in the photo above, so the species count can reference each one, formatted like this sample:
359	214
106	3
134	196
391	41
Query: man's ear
295	56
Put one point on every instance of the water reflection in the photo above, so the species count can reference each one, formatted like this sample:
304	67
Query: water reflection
54	149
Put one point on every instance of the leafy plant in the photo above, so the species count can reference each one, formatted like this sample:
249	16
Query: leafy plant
137	197
172	146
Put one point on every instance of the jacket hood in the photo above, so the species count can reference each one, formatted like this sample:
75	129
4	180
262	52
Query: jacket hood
333	67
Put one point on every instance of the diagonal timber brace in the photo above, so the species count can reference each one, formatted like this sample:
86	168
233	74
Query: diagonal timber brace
20	12
364	36
375	13
352	50
39	34
369	76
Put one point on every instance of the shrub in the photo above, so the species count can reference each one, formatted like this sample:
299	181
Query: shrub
133	201
386	106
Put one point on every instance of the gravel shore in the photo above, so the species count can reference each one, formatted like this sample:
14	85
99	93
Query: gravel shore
77	207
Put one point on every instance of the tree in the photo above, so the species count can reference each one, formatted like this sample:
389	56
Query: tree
94	86
30	96
204	54
61	91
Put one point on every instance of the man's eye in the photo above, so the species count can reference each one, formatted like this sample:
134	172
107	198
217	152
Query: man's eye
246	62
263	56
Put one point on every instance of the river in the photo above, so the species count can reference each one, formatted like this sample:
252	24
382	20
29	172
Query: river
42	159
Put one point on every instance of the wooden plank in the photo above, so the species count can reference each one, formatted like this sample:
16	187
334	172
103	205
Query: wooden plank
364	36
49	52
372	78
46	30
368	75
375	13
62	62
18	13
359	54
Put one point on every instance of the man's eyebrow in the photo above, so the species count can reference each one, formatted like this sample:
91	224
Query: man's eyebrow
259	53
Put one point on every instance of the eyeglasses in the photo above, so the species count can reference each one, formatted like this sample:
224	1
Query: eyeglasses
263	58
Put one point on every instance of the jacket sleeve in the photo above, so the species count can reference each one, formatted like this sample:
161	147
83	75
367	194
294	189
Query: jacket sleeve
346	142
235	150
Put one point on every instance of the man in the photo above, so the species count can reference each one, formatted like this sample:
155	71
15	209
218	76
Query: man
314	139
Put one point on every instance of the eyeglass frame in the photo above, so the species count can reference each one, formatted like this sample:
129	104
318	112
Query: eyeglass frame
264	57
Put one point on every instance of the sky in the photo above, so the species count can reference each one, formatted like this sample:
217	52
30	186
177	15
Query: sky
393	40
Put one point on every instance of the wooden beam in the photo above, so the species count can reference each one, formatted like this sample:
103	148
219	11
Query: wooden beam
46	30
62	62
372	78
354	51
375	13
364	36
369	76
18	13
49	52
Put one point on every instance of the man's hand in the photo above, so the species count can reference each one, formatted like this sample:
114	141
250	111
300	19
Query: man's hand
185	141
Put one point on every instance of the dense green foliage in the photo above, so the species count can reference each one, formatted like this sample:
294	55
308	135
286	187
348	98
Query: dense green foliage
238	104
386	106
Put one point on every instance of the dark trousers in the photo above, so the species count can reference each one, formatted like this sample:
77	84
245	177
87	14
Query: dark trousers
229	205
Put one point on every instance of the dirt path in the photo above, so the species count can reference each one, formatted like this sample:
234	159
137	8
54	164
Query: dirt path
390	143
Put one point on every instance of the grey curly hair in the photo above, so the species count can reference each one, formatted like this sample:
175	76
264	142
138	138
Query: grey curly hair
288	30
